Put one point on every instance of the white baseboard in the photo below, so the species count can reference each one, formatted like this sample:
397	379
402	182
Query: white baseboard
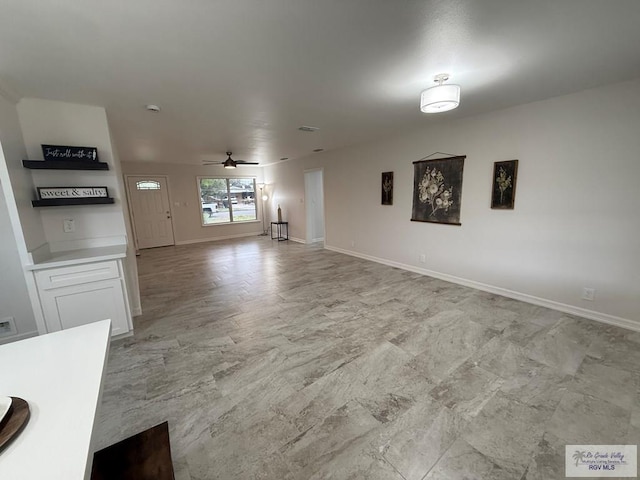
215	239
524	297
122	335
298	240
21	336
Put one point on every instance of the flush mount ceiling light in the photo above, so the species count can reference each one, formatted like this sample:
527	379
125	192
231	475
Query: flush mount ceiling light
152	108
440	98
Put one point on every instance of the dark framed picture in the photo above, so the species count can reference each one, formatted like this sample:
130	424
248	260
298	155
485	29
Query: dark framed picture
503	194
387	188
437	190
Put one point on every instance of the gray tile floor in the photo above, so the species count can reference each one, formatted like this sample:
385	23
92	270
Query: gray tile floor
283	361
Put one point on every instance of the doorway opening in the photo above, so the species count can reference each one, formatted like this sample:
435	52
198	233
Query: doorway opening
314	202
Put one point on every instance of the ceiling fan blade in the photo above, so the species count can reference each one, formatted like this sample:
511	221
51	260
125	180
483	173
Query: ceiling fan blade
230	162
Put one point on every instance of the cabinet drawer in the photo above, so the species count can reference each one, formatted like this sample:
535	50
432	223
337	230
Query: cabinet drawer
76	274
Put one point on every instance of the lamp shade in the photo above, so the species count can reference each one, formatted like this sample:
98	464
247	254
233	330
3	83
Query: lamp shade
440	98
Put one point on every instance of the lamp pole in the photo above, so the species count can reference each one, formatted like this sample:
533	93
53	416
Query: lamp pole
264	228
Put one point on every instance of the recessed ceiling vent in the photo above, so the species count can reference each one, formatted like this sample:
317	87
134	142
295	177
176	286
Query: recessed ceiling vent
306	128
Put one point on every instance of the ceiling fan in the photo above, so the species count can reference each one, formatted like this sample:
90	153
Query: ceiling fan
230	162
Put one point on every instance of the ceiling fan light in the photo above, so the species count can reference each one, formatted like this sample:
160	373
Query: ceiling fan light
228	163
440	98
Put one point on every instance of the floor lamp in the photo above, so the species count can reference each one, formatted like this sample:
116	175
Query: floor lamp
264	199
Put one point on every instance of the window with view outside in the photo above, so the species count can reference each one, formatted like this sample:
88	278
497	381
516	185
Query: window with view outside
225	200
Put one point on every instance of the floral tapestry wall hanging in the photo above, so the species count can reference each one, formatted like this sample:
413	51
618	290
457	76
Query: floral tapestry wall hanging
387	188
437	190
503	194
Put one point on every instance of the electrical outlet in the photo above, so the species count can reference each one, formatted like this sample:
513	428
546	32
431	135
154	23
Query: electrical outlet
423	258
69	225
588	294
7	327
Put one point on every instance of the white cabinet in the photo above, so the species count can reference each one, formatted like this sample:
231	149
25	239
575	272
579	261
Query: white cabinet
79	294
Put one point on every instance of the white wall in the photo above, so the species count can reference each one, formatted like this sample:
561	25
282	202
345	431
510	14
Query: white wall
575	223
14	297
185	199
18	222
131	264
26	219
286	187
60	123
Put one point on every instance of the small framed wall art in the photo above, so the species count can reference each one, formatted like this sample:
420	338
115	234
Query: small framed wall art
503	194
387	188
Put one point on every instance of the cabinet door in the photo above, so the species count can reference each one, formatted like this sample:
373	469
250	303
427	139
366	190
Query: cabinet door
69	307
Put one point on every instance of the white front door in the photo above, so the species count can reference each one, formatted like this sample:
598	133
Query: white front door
149	197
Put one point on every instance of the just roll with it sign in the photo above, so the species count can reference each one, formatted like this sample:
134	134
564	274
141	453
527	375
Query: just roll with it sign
68	153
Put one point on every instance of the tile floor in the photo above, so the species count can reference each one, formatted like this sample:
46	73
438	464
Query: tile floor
284	361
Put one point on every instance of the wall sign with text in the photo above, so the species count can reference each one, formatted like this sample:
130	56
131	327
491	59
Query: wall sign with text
46	193
63	152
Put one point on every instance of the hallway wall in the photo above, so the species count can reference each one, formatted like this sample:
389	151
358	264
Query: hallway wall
575	222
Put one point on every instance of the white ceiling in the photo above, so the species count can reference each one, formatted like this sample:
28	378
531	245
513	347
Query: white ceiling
243	75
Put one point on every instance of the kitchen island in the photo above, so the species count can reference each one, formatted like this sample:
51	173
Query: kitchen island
60	375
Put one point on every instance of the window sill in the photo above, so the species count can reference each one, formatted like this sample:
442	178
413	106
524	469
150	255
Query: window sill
230	223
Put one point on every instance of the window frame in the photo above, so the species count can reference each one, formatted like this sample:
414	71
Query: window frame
156	185
226	178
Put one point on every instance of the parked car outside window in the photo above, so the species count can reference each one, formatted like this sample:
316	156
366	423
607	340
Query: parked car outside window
209	208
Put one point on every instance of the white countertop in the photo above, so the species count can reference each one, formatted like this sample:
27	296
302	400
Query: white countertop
85	255
60	376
